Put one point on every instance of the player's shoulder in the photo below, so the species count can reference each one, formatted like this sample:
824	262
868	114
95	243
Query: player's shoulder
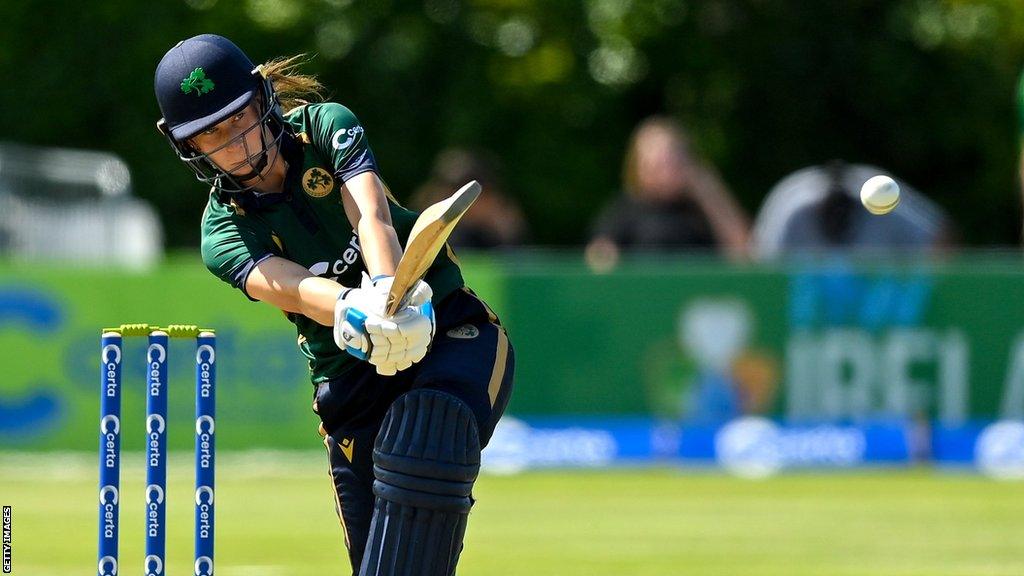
218	207
333	132
321	114
221	215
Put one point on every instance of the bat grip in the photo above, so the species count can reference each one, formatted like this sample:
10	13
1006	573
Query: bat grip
395	304
358	321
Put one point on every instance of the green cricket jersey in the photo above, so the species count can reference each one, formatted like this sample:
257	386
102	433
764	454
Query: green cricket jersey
307	224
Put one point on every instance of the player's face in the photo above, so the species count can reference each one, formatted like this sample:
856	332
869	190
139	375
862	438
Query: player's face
234	142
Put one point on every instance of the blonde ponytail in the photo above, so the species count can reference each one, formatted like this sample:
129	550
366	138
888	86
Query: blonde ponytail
292	88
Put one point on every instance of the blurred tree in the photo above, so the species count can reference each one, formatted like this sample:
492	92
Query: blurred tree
922	87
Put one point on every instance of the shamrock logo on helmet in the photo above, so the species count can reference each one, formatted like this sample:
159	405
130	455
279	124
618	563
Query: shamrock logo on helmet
197	81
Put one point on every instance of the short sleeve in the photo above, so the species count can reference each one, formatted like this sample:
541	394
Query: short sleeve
232	246
339	136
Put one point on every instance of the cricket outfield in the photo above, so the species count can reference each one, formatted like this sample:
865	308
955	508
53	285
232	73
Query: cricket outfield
275	517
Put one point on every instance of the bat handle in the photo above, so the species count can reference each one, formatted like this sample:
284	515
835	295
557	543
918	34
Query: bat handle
395	304
358	321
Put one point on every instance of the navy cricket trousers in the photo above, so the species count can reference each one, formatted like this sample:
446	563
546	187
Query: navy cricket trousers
470	358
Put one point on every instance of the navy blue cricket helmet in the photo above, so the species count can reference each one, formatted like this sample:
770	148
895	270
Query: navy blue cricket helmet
202	81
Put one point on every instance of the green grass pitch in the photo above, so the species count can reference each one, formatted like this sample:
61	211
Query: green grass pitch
275	517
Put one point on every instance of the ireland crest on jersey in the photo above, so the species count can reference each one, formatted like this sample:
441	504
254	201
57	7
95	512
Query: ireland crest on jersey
317	182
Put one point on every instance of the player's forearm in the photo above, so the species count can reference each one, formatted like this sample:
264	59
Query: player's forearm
379	245
316	298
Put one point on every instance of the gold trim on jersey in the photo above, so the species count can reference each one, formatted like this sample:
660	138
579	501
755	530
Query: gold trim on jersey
237	207
491	316
451	255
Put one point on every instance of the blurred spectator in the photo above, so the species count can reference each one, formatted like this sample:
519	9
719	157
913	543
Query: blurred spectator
495	220
671	200
818	209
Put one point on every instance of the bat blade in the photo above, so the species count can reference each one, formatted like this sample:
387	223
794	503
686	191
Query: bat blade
429	233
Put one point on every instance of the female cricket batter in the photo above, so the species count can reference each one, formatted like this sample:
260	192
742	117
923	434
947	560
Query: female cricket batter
299	217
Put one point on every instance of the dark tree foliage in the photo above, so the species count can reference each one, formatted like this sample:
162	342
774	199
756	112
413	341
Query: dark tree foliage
925	88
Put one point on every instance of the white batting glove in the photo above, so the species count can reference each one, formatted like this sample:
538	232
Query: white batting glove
354	309
401	340
393	343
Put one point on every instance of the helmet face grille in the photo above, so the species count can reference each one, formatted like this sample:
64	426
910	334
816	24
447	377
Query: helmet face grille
227	179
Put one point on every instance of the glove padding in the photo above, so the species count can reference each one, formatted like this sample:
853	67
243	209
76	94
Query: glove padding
390	344
354	307
402	340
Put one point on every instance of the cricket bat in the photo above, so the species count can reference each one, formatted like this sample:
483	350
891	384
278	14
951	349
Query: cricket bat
429	233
